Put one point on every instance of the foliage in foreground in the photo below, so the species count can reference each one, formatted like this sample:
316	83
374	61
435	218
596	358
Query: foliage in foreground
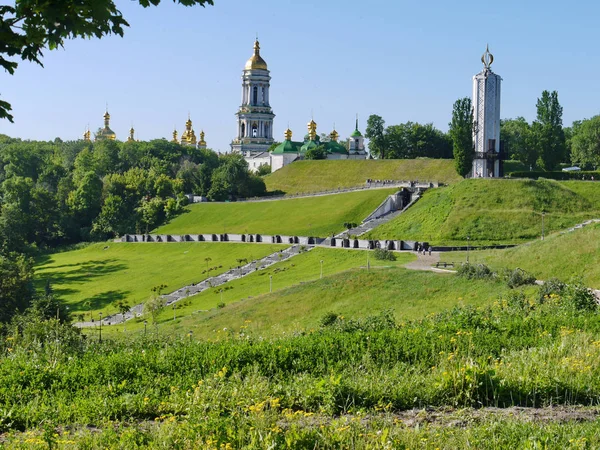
249	391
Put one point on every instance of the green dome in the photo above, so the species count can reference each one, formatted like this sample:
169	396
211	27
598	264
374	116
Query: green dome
356	134
286	147
335	147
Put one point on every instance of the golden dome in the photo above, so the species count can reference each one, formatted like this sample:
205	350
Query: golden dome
288	135
255	61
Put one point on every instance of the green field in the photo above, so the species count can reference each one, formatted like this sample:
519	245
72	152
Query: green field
194	313
317	176
313	216
95	277
494	211
562	255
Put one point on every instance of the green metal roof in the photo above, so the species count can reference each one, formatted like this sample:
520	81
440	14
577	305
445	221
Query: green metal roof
356	133
335	147
287	147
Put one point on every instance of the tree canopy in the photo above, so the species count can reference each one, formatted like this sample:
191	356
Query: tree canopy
461	132
31	26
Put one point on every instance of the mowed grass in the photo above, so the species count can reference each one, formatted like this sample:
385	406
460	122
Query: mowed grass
565	256
314	216
195	312
95	277
317	176
494	211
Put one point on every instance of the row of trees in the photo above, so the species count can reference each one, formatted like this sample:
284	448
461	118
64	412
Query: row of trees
407	140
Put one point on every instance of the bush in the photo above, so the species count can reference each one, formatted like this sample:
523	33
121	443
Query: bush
384	255
517	277
475	272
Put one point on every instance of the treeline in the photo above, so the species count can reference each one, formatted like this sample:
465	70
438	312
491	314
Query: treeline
577	145
407	140
54	193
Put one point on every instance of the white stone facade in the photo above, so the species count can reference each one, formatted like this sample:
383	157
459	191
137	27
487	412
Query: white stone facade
486	118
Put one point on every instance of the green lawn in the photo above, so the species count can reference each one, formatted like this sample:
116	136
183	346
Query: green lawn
300	269
314	216
316	176
561	255
94	278
494	211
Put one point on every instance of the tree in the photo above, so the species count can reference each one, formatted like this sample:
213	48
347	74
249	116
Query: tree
122	307
16	291
31	26
585	143
263	169
461	132
317	152
518	141
156	303
548	132
375	132
414	140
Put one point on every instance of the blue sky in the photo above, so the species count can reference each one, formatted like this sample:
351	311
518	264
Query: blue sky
402	60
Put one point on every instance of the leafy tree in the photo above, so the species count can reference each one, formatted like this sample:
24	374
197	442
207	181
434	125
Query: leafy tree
413	140
263	169
585	144
273	146
156	303
518	140
548	132
31	26
461	132
16	291
317	152
375	132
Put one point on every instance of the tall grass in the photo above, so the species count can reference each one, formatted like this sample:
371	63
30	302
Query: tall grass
528	351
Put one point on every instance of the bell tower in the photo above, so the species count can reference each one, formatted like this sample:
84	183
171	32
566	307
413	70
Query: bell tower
255	116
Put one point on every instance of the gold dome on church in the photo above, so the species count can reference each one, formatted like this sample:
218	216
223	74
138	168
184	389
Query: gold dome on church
256	61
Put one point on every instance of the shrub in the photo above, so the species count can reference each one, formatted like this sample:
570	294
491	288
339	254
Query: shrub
517	277
383	254
328	319
475	272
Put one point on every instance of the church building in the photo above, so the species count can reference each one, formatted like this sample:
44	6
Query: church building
255	126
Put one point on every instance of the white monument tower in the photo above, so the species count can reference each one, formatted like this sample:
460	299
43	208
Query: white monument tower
255	116
486	121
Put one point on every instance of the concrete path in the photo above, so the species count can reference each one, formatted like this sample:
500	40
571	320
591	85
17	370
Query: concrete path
209	283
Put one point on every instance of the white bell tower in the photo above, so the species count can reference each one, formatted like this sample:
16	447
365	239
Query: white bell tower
255	116
486	121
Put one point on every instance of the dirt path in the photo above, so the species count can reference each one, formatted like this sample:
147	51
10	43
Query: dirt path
425	262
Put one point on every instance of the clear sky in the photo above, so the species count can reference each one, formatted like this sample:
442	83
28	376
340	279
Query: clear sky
403	60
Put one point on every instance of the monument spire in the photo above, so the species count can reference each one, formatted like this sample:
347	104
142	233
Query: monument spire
487	58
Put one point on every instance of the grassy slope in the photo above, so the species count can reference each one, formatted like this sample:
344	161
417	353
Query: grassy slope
494	211
130	271
356	293
293	272
315	176
315	216
564	256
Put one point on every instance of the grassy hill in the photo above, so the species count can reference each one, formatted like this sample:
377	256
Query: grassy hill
314	216
103	273
494	211
300	269
561	255
351	294
317	176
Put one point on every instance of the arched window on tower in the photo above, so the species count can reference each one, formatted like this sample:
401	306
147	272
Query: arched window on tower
267	131
243	130
255	96
264	99
254	129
